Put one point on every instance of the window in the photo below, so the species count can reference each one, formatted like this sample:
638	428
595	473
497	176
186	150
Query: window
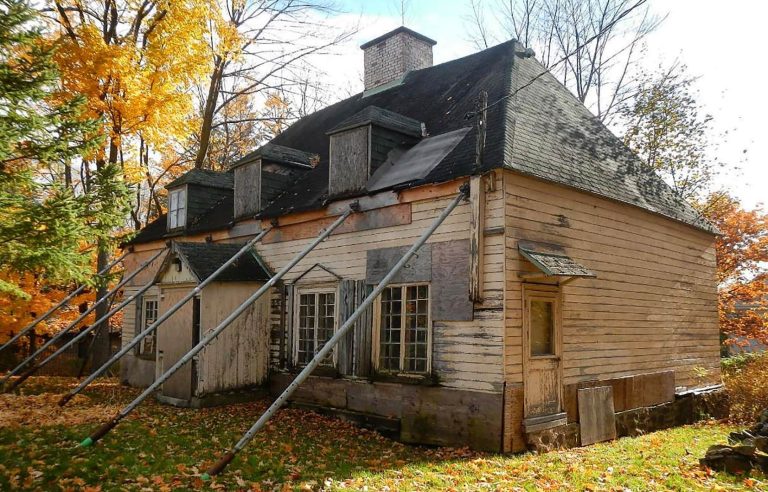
404	329
542	327
315	323
148	316
177	208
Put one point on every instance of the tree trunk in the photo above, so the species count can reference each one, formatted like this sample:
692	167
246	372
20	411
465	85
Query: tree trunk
209	112
101	348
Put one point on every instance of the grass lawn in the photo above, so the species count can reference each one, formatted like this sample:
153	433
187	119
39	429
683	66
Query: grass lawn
164	448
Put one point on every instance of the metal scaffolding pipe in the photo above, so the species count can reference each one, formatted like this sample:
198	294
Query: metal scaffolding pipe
36	367
61	303
151	328
333	341
88	311
104	429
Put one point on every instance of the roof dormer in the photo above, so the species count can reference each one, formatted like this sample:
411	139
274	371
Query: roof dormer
265	173
362	142
191	195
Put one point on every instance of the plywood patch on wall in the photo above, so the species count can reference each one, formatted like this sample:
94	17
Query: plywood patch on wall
596	415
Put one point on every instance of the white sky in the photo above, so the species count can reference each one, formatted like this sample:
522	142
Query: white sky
719	42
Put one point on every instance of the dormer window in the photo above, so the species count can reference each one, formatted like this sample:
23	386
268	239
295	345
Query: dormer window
177	208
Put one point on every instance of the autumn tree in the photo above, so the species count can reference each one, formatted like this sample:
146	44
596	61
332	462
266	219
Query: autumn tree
742	267
600	73
260	51
665	126
135	63
44	222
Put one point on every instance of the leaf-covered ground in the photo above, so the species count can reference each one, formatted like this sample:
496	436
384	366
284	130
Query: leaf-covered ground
164	448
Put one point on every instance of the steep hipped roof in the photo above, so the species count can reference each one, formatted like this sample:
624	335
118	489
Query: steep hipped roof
204	258
541	131
204	177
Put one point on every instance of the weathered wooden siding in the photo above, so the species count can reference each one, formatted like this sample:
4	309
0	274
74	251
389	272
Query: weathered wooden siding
238	357
248	189
350	161
132	262
174	339
653	305
466	354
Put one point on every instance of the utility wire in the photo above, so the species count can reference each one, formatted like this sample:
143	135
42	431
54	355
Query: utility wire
610	25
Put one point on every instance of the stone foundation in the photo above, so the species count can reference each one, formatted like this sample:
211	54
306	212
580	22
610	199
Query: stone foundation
561	437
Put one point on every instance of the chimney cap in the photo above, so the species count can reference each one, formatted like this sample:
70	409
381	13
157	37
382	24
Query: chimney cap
400	29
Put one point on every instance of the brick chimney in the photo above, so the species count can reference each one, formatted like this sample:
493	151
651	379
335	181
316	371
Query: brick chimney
389	57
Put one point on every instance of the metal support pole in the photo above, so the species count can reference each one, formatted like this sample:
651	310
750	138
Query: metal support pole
333	341
61	303
151	328
35	367
88	311
102	431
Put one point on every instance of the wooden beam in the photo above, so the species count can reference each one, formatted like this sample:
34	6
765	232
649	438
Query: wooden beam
476	238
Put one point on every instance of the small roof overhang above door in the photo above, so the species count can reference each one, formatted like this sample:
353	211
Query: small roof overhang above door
552	263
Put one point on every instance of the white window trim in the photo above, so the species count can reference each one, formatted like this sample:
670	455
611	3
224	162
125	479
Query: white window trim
298	292
143	321
377	334
174	220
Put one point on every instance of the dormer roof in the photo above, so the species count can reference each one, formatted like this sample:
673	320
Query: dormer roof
374	115
204	177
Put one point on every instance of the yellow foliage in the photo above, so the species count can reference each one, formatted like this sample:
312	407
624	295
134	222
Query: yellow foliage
140	85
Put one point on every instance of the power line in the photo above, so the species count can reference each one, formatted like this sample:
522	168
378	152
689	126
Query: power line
610	25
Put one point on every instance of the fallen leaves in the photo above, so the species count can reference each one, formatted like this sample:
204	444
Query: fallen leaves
166	448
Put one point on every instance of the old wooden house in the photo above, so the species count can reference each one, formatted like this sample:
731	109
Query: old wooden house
571	298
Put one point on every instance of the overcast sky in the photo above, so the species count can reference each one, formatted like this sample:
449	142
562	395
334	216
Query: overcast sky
718	41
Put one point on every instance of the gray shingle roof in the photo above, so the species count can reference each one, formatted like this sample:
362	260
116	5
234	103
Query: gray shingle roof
381	117
204	177
543	131
205	258
280	154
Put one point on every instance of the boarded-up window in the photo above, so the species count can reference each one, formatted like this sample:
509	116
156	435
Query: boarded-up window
404	329
315	323
542	327
177	208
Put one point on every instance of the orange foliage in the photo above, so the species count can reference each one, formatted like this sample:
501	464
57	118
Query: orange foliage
17	313
742	267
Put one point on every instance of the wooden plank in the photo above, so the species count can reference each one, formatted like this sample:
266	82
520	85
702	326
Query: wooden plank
345	349
380	261
349	161
476	242
451	281
374	219
597	419
363	332
248	189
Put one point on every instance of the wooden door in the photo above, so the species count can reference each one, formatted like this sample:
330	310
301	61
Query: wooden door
542	347
175	339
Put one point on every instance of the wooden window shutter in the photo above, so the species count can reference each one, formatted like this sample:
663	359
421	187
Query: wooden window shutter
346	345
363	337
286	345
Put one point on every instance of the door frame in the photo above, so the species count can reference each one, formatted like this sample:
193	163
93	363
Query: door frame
548	292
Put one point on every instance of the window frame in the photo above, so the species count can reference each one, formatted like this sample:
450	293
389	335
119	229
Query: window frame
143	325
553	297
377	312
174	221
315	290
